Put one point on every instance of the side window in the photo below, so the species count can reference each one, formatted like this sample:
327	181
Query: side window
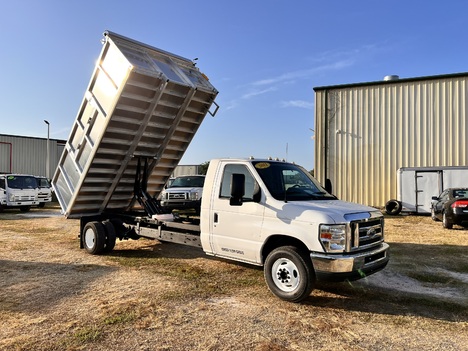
250	183
444	196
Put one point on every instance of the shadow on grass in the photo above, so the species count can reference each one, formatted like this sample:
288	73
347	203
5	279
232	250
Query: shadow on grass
157	250
397	290
14	214
33	286
421	280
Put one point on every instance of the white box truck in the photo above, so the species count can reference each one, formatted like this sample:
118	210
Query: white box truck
44	192
126	143
18	190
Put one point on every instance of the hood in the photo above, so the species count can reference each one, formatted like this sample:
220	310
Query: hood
181	189
326	211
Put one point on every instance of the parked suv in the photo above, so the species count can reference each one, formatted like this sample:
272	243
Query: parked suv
185	192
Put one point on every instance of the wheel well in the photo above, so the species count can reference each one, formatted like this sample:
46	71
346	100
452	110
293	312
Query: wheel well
275	241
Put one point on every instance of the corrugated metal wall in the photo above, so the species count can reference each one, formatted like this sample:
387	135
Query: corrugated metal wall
28	155
181	170
365	133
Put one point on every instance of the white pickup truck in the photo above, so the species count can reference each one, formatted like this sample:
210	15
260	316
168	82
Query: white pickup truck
140	112
184	192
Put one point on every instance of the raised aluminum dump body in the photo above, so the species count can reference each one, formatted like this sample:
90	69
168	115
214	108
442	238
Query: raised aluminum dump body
142	107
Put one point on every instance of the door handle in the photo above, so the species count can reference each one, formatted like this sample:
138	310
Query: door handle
215	218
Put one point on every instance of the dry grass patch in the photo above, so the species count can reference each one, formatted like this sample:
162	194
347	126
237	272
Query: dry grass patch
151	296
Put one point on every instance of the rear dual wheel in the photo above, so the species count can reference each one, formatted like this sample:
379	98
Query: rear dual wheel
98	237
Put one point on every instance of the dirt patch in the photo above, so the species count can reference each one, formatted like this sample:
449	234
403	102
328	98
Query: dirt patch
151	296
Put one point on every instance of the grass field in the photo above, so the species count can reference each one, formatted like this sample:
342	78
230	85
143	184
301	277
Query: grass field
151	296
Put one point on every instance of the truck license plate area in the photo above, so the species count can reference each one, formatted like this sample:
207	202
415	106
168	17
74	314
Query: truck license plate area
374	258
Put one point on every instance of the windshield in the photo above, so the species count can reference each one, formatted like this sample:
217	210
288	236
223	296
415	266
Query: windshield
289	182
192	181
21	182
43	183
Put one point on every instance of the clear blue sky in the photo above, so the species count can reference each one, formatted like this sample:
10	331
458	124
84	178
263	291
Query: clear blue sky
264	57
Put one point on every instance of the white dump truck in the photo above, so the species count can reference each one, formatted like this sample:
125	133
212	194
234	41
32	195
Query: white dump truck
140	112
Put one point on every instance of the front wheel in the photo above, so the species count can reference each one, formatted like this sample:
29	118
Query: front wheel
289	274
433	215
25	208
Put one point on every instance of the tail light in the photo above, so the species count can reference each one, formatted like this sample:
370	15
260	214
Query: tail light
460	204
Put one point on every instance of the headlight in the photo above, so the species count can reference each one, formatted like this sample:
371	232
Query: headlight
333	237
11	197
194	196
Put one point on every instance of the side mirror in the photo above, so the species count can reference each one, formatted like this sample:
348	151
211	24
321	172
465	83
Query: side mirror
237	189
328	186
435	198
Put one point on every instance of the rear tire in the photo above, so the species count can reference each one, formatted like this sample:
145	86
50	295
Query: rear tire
94	237
111	237
289	274
446	222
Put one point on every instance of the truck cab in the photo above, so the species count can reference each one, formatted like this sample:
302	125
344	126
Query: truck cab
275	214
18	191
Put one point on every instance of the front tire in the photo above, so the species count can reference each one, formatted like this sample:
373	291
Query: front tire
94	237
289	274
433	215
25	208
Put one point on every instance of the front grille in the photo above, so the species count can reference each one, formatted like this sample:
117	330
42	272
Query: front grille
177	196
366	233
24	198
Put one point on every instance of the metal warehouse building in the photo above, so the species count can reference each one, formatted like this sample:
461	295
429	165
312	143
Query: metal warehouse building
28	155
365	132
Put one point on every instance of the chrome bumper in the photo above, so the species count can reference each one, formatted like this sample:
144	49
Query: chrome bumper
359	263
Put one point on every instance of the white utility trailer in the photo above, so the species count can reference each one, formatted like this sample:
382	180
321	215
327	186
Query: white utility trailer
417	185
139	113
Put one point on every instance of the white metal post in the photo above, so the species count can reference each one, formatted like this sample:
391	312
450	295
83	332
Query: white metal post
48	151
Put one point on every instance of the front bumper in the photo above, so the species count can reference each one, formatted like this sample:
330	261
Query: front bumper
22	203
173	205
350	266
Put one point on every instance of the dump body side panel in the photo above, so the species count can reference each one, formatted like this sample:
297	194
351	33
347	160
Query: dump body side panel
143	105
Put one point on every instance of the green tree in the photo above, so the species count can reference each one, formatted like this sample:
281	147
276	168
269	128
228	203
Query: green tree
204	167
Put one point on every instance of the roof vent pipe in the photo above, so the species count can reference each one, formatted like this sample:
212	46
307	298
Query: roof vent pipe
391	77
